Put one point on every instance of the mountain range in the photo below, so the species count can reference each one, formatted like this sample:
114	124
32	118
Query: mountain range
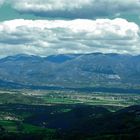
72	70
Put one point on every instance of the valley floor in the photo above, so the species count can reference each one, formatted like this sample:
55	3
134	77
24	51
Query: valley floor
57	115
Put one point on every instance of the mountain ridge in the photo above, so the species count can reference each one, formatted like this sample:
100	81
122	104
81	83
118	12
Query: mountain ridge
73	70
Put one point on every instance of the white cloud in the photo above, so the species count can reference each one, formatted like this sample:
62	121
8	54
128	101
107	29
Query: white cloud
51	4
76	8
45	37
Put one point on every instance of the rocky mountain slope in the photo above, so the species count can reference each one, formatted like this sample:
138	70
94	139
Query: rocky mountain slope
72	70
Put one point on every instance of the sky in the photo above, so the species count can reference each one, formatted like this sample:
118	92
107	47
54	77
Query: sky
48	27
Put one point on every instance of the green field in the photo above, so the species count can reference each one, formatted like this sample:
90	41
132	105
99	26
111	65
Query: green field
40	97
55	115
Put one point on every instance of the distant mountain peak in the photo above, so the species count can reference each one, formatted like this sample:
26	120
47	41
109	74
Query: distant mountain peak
61	58
20	57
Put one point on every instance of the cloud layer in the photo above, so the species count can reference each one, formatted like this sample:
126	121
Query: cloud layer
45	37
76	8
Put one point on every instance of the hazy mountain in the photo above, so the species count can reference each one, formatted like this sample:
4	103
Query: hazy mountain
71	70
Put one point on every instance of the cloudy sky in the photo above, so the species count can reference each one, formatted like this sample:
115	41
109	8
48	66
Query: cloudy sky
45	27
